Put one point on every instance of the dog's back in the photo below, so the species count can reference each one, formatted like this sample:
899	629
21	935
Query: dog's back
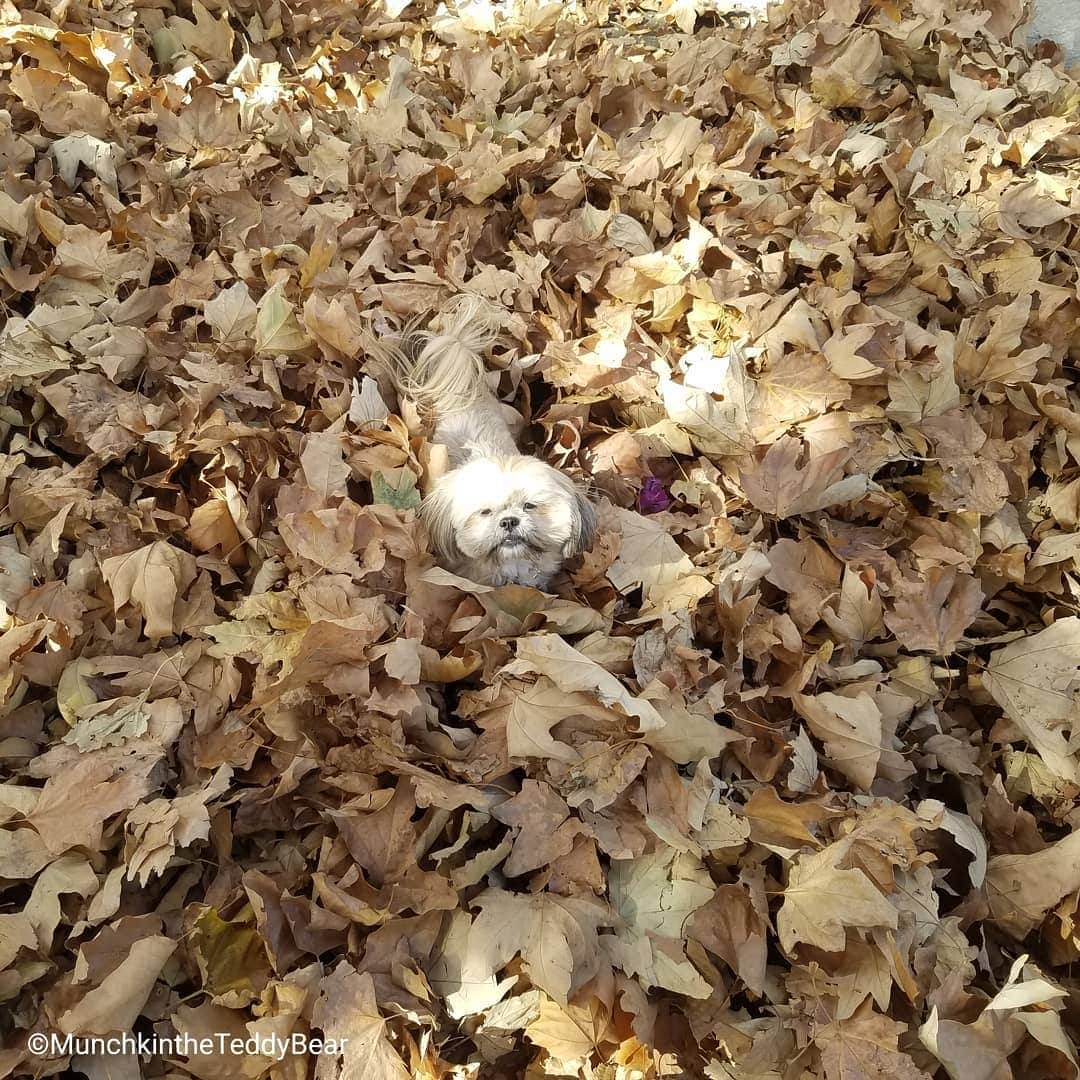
443	372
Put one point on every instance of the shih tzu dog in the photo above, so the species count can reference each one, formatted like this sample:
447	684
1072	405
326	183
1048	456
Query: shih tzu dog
497	516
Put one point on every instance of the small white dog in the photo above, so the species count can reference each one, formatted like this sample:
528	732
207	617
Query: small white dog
497	517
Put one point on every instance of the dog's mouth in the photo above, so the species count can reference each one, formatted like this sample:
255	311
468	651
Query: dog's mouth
514	542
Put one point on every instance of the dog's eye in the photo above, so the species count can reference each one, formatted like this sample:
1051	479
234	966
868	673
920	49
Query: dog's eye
530	506
485	513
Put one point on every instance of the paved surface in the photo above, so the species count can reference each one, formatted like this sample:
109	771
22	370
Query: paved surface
1059	20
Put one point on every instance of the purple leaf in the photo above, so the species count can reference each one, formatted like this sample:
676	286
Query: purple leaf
653	497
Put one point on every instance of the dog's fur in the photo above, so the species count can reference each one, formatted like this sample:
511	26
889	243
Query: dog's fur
497	517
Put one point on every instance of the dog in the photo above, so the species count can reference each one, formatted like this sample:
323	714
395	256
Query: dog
497	516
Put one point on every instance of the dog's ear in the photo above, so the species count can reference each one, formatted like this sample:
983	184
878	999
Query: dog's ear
437	512
583	523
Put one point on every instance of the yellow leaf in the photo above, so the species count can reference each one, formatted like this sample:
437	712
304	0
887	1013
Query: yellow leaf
276	328
73	693
212	527
231	956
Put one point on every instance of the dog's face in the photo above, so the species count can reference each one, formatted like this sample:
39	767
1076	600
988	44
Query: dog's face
508	520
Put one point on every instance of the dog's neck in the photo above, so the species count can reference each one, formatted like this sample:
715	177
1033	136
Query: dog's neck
527	567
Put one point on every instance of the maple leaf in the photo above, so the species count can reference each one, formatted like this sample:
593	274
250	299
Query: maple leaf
545	830
648	555
778	485
366	405
999	357
570	1035
26	354
571	671
729	926
347	1012
713	403
276	328
335	325
865	1047
689	734
212	526
231	314
532	711
383	843
16	933
808	573
153	577
231	957
822	900
1021	889
1034	680
851	729
795	387
655	896
108	728
774	821
555	936
984	1046
857	617
115	1004
322	458
63	104
932	614
917	394
397	491
73	806
157	828
70	874
207	37
75	150
23	853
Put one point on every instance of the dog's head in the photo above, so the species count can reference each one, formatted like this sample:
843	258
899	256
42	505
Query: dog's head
506	511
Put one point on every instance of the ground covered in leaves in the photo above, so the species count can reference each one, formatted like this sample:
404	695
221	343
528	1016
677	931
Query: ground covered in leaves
782	783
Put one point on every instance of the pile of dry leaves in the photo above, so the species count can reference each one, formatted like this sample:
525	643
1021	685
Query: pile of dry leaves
782	784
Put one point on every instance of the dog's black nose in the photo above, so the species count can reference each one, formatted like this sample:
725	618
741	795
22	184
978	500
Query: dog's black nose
510	522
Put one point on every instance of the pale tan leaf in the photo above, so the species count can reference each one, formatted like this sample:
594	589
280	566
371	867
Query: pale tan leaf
571	671
347	1011
555	936
851	730
231	314
115	1004
648	555
322	459
821	901
1034	680
655	895
152	578
1021	889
